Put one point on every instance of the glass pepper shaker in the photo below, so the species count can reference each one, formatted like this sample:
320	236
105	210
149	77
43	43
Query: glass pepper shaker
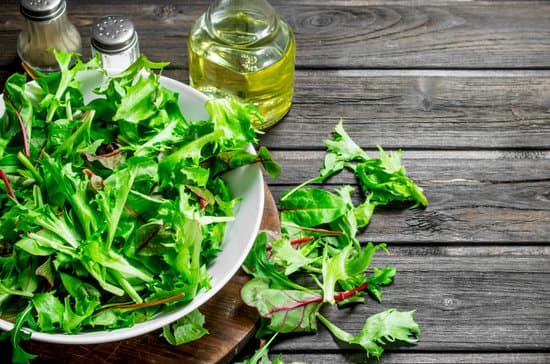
246	50
115	40
45	26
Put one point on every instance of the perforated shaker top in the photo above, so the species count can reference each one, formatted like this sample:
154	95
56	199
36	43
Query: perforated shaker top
113	34
42	10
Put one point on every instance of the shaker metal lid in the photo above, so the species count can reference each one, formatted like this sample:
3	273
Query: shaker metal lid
113	34
42	10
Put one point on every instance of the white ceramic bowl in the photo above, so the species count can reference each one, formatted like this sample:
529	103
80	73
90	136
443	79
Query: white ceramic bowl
245	183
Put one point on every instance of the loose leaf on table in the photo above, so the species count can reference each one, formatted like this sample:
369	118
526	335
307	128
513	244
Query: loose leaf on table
285	253
344	147
311	207
287	310
258	265
319	248
386	180
380	277
333	165
346	265
379	329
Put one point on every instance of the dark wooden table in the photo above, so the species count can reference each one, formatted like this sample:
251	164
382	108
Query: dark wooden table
464	89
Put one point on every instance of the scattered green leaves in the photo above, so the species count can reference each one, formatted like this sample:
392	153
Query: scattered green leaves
318	247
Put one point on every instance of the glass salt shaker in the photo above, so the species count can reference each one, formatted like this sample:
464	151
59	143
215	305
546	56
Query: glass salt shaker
244	49
115	40
45	26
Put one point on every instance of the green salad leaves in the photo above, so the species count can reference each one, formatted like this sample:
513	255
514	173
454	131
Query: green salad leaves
111	208
319	249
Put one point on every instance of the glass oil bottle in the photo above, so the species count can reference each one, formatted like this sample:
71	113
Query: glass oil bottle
245	50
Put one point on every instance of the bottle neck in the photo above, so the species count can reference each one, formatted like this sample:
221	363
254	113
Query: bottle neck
241	22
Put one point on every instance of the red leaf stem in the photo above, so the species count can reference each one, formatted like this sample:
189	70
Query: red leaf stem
305	239
347	294
337	297
22	125
7	184
148	239
322	231
151	303
29	70
130	210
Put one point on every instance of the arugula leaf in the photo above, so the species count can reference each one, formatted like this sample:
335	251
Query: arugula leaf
387	326
386	180
344	147
16	334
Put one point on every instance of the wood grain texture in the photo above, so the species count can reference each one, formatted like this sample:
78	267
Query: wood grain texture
350	34
474	196
464	88
421	110
425	358
463	303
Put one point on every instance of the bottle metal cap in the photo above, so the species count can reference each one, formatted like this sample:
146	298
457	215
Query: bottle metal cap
113	34
42	10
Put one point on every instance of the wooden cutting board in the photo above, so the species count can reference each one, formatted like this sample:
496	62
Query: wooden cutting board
229	321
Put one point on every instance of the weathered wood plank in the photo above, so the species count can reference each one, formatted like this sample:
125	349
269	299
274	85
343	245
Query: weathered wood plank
430	167
426	110
349	34
462	303
474	197
420	358
468	302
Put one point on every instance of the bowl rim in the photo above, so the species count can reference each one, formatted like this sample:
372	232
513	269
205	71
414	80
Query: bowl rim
105	336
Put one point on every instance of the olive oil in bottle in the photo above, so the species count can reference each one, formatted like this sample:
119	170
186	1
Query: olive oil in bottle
244	49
